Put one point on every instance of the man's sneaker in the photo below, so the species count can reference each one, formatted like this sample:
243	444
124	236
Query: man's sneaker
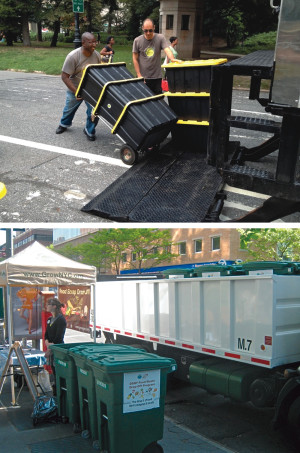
91	138
60	130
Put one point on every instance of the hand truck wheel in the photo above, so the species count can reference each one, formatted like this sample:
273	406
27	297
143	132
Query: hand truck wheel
128	155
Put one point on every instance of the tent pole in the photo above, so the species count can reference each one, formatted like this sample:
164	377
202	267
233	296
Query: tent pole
9	325
9	315
94	312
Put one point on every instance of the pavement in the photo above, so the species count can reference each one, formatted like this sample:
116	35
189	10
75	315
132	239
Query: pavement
18	435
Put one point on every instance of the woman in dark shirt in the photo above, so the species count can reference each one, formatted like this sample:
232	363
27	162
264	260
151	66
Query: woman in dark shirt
107	52
56	327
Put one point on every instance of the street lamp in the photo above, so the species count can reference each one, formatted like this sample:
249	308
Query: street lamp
77	40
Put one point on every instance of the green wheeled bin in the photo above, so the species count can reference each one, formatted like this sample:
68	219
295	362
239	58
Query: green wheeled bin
269	267
86	383
66	381
130	394
179	273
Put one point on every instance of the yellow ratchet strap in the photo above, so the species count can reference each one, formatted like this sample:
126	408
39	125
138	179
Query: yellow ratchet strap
136	101
111	82
187	94
193	122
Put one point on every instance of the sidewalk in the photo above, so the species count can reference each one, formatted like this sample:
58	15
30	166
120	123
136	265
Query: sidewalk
17	434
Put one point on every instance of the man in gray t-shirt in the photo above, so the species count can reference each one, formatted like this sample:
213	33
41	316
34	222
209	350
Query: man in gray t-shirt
146	55
72	70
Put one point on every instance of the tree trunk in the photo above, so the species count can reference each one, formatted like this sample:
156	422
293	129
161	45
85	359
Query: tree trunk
25	30
39	35
9	37
55	33
89	17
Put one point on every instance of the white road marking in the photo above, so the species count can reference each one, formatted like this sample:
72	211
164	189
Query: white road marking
239	206
65	151
270	115
247	193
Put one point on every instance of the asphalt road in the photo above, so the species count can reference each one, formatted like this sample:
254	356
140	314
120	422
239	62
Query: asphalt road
50	177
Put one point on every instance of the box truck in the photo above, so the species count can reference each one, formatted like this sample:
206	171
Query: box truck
235	335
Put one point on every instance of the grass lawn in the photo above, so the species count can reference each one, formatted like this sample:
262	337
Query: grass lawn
49	60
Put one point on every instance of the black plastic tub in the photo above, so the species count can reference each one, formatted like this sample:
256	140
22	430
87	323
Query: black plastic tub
115	95
127	105
191	134
191	76
145	122
190	106
95	76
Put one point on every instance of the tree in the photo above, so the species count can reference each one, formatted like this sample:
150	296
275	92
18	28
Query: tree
106	248
139	11
272	244
151	247
10	20
232	19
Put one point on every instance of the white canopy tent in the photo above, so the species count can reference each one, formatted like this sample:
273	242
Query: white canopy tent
38	266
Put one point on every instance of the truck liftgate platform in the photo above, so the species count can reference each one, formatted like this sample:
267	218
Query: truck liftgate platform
183	181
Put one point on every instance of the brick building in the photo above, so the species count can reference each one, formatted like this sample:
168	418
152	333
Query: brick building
201	245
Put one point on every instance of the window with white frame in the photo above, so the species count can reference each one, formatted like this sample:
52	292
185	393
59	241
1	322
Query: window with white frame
198	245
182	248
216	243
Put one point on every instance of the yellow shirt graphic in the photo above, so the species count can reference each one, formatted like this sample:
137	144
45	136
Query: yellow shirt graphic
149	52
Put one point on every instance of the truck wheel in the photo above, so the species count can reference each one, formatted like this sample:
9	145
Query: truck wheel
262	392
128	155
294	419
154	447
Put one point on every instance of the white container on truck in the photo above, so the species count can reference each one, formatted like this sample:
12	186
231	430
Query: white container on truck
233	335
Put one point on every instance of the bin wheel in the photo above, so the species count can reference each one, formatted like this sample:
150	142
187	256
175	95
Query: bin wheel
128	155
76	428
86	434
96	445
154	447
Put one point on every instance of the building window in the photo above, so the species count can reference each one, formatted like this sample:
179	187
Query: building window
198	245
216	243
185	22
182	248
124	257
170	22
133	256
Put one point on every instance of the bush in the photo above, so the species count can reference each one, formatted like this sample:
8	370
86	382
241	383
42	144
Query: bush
261	41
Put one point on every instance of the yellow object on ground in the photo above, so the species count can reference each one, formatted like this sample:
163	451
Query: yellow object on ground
2	190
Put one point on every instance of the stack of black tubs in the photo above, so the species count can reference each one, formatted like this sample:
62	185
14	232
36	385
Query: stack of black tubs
189	97
140	118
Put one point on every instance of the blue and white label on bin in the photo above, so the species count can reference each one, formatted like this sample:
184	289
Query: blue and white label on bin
141	391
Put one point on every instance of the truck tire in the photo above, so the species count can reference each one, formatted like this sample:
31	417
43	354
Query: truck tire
294	419
262	392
